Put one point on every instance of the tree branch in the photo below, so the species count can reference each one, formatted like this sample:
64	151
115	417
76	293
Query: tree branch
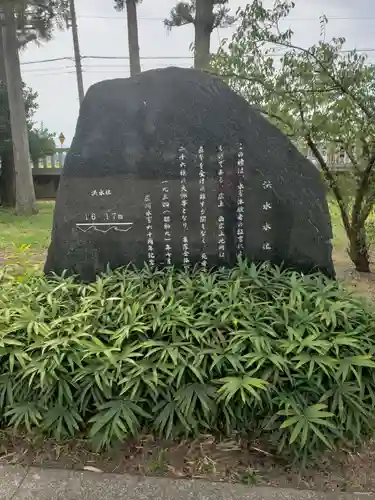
180	15
270	88
331	180
353	159
327	173
329	74
350	154
366	210
275	117
357	216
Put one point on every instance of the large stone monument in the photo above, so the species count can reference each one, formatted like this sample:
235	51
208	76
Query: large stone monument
174	168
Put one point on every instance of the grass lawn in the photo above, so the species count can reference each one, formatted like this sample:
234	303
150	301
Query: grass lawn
34	231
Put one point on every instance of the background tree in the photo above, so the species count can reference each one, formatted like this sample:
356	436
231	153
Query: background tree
7	178
35	21
42	143
25	192
205	15
133	39
316	95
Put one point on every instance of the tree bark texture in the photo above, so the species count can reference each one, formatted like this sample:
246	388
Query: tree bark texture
25	194
7	174
203	29
133	41
358	249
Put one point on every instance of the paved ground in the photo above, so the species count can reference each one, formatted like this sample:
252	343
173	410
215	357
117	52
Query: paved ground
17	483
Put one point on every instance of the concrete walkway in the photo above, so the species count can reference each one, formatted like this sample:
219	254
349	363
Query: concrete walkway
17	483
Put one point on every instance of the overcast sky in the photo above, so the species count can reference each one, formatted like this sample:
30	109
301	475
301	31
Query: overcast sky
102	32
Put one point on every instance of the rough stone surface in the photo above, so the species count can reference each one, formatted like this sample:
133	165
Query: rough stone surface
11	478
49	484
173	167
148	488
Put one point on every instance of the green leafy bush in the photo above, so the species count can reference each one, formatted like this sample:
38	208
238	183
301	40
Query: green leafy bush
254	348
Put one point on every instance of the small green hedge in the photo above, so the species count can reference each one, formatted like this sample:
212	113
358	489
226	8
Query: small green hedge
254	348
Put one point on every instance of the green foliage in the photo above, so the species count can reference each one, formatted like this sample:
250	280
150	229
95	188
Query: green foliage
205	17
319	95
42	143
185	13
121	4
30	106
231	351
37	19
319	90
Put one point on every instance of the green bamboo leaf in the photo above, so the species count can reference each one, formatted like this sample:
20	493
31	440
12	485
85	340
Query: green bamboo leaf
298	428
321	436
290	421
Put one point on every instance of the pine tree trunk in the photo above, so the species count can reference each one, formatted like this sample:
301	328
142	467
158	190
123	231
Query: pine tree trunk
25	194
358	250
133	42
202	49
203	30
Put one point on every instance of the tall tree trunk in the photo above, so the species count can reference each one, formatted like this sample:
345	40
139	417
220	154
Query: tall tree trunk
77	52
203	28
133	42
25	194
7	175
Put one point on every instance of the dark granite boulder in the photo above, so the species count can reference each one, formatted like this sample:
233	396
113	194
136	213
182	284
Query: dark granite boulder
173	167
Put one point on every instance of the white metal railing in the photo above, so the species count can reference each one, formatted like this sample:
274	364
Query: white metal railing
336	161
55	161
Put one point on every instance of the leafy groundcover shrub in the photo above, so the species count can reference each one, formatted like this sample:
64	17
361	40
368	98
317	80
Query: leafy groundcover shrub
175	354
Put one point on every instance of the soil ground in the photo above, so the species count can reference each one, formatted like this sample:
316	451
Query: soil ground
206	458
